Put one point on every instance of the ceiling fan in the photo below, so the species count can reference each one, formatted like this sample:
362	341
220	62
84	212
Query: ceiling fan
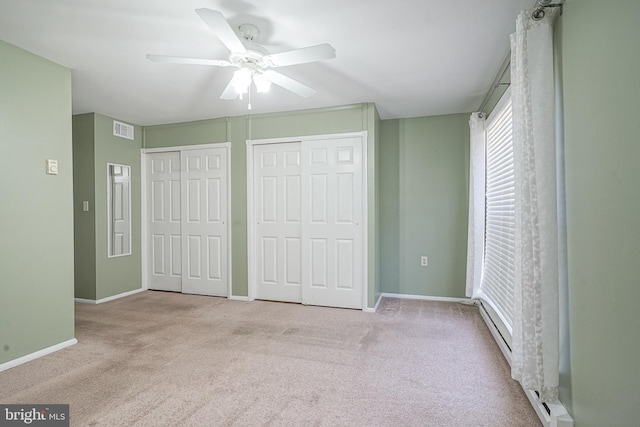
254	62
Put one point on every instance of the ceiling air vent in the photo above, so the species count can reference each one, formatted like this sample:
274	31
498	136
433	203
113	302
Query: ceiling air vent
122	130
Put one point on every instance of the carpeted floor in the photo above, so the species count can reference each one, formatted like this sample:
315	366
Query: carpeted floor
165	359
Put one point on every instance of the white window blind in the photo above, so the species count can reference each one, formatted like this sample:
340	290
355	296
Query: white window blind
498	272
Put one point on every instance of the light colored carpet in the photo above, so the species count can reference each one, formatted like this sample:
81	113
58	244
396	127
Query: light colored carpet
165	359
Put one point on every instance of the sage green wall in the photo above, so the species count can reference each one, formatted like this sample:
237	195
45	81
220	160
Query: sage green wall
423	202
350	118
237	135
433	169
119	274
601	67
94	145
36	257
389	154
237	130
84	222
198	132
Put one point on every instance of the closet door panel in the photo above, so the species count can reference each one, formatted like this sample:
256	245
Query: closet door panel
164	252
204	221
277	186
332	251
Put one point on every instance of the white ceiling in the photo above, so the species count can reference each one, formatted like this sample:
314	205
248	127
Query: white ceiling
410	57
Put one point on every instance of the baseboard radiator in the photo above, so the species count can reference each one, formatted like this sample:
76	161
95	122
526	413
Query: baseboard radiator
552	414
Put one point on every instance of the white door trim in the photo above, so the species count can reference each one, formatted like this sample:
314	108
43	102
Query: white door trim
284	139
143	196
186	147
143	220
365	221
251	232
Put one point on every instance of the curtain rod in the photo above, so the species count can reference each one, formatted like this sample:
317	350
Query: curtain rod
538	12
536	15
493	89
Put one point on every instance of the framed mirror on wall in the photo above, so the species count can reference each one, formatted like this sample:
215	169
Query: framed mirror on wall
118	210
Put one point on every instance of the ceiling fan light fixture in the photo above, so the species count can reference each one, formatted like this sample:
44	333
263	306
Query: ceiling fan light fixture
262	83
242	80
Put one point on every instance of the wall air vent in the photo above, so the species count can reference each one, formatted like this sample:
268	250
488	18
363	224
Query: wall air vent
122	130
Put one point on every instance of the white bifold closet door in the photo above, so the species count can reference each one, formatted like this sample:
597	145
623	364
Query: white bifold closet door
308	209
187	221
277	183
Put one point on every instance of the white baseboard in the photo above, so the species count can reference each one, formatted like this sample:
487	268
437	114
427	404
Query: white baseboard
427	298
375	307
29	357
418	297
558	416
111	298
506	351
238	298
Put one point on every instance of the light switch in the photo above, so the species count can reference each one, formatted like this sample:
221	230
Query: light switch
85	206
52	167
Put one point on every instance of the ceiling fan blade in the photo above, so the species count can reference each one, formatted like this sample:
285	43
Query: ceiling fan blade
223	30
193	61
229	92
301	56
288	83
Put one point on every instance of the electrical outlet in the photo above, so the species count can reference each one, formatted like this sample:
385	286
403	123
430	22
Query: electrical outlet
424	261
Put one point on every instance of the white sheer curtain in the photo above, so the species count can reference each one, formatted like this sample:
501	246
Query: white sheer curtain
535	360
475	241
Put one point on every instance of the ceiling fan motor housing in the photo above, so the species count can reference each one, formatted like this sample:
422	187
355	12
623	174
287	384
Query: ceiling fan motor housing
253	58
